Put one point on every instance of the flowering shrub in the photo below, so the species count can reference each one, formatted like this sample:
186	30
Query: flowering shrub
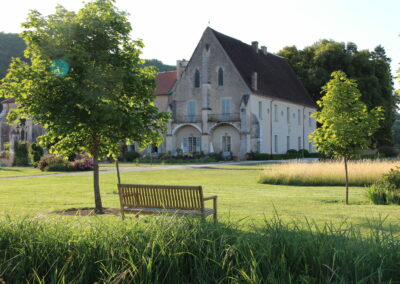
53	163
82	163
61	164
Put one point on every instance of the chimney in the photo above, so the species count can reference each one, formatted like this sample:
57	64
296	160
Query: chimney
180	67
264	49
254	81
254	45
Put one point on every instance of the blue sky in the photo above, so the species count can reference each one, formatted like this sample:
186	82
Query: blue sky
171	29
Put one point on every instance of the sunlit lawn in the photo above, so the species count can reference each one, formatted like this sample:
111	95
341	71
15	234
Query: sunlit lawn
240	197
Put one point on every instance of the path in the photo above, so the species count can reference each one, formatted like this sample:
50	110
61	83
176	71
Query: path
166	167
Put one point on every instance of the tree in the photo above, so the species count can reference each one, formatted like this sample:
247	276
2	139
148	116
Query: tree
345	121
371	70
85	83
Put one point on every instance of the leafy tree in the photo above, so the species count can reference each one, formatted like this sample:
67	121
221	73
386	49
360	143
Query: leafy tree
161	67
345	120
85	83
11	45
371	69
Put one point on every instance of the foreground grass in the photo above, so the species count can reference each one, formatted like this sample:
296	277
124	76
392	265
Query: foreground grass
330	173
170	250
240	197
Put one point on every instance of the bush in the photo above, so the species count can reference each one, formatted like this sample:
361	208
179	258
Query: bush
82	163
387	189
21	154
35	154
386	151
53	163
131	156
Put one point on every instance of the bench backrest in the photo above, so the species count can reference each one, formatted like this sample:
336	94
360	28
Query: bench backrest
161	196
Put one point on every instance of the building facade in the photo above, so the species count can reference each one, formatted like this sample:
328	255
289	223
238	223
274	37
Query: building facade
235	98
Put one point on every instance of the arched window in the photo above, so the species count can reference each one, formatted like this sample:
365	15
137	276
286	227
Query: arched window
197	79
220	77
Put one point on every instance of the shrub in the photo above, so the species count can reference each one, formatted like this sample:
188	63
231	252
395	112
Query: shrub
386	151
21	154
82	163
53	163
131	156
35	154
387	189
292	152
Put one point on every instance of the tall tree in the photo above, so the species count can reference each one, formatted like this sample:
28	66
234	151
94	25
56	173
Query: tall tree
85	83
346	123
371	69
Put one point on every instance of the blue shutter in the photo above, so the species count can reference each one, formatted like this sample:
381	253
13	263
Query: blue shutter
198	144
185	144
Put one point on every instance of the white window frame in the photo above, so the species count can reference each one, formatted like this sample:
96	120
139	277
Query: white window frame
226	143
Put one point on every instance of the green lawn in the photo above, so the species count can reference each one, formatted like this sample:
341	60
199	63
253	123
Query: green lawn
240	197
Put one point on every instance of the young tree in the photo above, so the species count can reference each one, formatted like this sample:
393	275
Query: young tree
85	83
346	124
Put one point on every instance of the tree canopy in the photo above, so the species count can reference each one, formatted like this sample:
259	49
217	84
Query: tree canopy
371	70
346	123
85	83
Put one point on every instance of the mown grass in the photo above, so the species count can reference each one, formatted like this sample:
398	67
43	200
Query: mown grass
240	197
184	250
330	173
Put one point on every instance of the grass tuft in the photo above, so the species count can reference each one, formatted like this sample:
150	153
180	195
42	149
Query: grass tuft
330	173
180	250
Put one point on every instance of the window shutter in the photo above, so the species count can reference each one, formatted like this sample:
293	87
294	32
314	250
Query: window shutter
198	144
185	145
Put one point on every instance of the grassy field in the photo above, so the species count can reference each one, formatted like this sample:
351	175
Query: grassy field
330	173
240	197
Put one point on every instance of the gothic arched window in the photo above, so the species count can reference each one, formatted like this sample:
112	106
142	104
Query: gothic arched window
197	79
220	77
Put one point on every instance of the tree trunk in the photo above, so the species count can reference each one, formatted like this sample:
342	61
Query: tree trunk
97	196
117	166
347	180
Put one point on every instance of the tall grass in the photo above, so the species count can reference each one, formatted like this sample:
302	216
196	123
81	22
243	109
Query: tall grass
169	250
329	173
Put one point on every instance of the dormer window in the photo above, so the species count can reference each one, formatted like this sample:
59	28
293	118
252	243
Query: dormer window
220	77
197	79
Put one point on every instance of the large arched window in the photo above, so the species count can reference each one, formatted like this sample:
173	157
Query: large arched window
197	79
220	77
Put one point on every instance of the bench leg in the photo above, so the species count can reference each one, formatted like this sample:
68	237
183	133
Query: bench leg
122	214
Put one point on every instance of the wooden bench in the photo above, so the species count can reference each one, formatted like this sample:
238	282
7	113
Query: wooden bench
164	199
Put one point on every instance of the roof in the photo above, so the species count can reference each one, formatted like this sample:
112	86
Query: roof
276	77
9	101
165	82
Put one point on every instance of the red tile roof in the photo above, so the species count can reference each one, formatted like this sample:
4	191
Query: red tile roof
8	101
165	82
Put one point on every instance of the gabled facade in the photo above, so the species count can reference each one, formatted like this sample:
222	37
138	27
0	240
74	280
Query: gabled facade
237	98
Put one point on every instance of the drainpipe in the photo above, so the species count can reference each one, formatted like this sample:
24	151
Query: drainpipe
270	122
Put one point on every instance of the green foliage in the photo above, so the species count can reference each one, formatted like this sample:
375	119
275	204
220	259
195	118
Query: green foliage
161	67
387	189
387	151
21	154
131	156
85	84
345	121
172	250
371	69
35	153
291	154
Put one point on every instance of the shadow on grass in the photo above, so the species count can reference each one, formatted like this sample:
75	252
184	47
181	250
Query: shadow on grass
10	169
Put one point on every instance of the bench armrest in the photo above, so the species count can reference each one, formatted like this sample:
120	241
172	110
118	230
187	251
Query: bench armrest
210	197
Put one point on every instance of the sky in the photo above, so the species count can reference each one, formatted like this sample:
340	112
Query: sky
171	29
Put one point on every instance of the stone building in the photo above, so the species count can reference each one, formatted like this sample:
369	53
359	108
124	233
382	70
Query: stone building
25	131
232	97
